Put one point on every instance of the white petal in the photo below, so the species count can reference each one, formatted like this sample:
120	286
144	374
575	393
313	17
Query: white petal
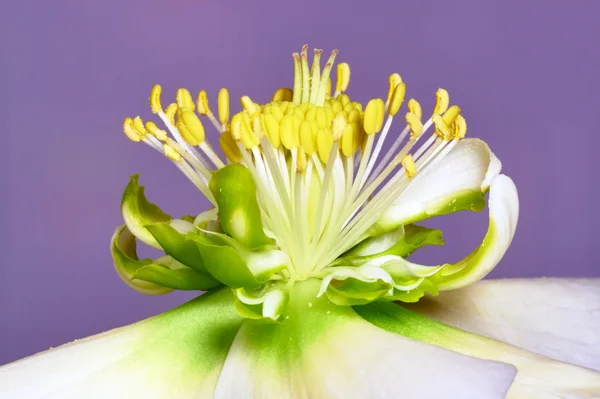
558	318
466	171
504	214
326	351
175	355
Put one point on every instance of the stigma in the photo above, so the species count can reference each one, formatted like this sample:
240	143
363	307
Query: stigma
317	157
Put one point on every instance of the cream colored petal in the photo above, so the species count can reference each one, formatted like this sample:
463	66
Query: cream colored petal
558	318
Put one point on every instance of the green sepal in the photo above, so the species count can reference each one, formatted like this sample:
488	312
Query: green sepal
184	278
267	304
415	294
153	277
234	190
138	212
352	291
464	200
236	266
178	245
127	263
407	239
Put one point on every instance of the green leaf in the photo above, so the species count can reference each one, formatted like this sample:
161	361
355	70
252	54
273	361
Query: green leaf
177	245
234	190
235	266
138	212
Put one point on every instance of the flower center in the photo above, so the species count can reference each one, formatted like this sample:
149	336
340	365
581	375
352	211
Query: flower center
316	157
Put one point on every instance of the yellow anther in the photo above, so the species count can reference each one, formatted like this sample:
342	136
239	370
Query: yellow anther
202	102
415	108
337	106
301	161
185	134
230	149
284	106
451	114
321	116
138	125
290	108
353	115
171	153
192	123
441	128
349	108
249	139
311	114
350	139
257	126
283	94
249	105
394	80
171	111
374	113
329	115
277	112
184	99
272	127
397	98
409	166
308	136
416	127
343	98
324	144
223	105
131	133
460	127
343	77
236	127
299	112
155	99
338	126
442	100
358	106
155	131
286	131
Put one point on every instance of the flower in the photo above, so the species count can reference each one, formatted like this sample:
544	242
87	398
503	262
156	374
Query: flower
304	257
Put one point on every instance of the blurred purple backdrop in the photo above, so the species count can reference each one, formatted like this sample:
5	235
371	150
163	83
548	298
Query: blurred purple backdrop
526	76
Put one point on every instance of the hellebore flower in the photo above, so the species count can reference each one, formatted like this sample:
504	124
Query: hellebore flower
304	257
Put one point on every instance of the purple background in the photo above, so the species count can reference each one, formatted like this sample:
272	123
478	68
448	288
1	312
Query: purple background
525	74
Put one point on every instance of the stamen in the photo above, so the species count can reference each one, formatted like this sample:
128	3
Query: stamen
343	79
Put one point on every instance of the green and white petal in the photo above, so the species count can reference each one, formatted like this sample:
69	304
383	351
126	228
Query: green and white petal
558	318
176	355
127	263
458	182
538	377
138	212
268	303
503	214
236	266
325	351
153	276
171	236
